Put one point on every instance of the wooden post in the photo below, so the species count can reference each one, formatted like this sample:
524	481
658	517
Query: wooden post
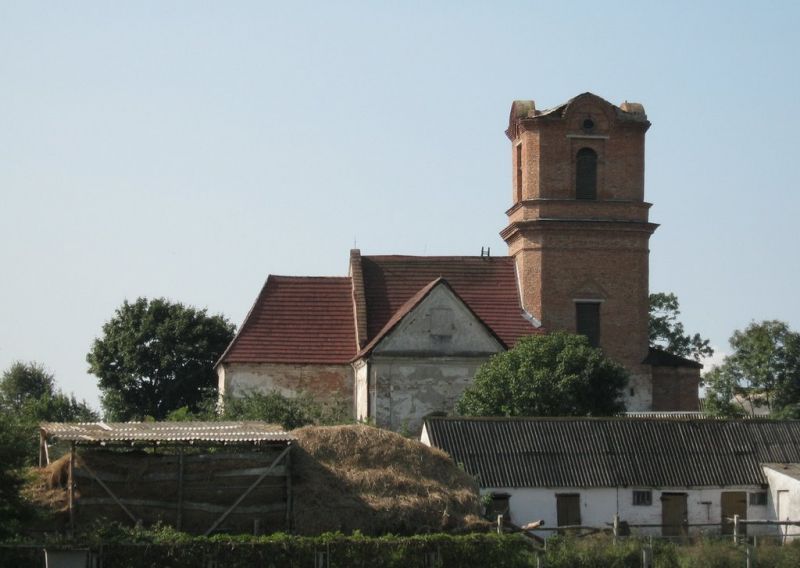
736	528
616	527
179	520
499	524
647	557
42	448
71	486
289	496
749	556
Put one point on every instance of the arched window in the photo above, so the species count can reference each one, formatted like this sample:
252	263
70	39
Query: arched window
586	174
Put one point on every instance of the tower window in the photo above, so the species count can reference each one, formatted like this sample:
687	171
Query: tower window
586	174
519	172
587	321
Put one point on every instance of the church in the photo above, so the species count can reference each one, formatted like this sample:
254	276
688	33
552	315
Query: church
400	337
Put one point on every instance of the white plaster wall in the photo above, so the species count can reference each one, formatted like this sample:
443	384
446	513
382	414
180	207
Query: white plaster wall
361	375
781	482
419	369
411	389
598	506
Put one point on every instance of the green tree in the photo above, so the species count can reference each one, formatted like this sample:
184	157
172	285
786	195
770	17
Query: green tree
13	454
763	371
667	333
25	381
558	374
29	396
156	356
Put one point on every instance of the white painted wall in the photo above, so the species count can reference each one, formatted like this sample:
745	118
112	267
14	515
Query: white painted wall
789	489
409	390
425	364
361	375
598	506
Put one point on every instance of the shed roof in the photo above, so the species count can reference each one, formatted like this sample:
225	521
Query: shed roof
615	452
123	433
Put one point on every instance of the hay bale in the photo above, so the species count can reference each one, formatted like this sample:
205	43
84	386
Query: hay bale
363	478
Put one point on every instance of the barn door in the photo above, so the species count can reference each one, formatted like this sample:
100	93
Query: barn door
674	514
733	503
568	509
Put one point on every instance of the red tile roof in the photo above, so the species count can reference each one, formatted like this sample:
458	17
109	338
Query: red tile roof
488	285
297	320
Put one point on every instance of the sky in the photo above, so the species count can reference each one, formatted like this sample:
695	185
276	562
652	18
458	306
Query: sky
188	149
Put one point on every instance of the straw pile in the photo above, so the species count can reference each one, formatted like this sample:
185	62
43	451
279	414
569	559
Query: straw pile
363	478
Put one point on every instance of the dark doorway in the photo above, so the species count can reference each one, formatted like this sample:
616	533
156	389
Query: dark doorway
733	503
674	514
568	509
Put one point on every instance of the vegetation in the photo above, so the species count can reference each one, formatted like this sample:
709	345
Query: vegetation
28	396
156	356
558	374
762	372
289	411
162	546
667	333
13	453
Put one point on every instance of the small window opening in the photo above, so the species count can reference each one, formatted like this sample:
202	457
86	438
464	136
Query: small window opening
587	321
643	498
588	124
758	498
586	174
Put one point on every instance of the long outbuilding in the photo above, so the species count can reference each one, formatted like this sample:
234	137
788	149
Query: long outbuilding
669	476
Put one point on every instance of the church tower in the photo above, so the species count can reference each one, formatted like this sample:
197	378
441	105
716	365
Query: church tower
578	228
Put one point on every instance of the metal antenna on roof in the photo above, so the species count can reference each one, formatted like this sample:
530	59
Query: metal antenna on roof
486	253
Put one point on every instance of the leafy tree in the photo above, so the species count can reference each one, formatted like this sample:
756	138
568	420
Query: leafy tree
29	396
25	381
156	356
558	374
667	333
763	371
13	450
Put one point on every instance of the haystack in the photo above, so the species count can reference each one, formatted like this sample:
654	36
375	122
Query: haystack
363	478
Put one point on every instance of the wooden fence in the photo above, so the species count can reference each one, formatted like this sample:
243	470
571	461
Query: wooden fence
196	491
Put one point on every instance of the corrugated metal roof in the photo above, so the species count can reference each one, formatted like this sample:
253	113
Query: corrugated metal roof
110	433
611	452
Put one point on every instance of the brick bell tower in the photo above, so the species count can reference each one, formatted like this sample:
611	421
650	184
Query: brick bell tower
579	230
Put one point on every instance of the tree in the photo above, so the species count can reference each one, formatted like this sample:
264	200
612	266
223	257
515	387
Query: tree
157	356
558	374
762	372
13	449
667	333
28	396
25	381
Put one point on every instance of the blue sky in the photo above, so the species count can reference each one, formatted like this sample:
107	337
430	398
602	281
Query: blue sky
188	149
